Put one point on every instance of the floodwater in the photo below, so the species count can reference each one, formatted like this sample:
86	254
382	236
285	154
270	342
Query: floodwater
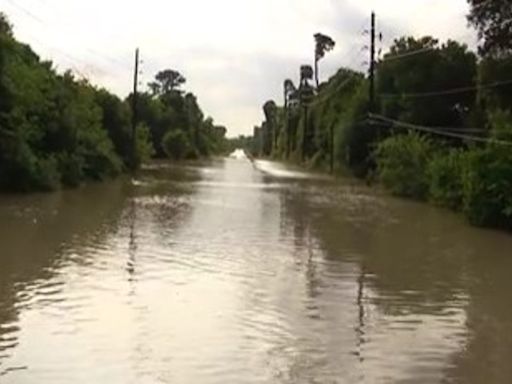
229	272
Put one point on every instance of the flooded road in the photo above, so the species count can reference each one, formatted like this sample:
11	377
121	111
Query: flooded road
234	273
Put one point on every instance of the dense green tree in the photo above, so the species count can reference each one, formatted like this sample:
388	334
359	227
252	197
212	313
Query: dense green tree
52	127
56	130
116	117
493	19
166	109
177	145
496	71
166	81
413	76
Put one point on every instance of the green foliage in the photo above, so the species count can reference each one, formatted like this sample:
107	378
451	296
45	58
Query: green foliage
494	70
446	171
323	44
145	150
488	177
55	130
177	145
501	125
116	118
411	83
444	67
71	168
402	163
168	109
492	19
356	136
167	81
476	181
487	186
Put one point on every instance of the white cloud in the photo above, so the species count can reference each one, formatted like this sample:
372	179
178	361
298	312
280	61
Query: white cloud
234	53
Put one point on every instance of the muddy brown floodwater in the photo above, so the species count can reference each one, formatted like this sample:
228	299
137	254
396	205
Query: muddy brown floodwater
227	272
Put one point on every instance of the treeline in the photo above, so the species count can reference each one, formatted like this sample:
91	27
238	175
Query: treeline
439	127
57	130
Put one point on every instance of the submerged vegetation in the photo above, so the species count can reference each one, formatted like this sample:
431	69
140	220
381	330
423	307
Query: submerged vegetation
439	127
57	130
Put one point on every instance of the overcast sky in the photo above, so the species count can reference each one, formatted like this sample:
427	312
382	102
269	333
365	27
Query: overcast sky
235	54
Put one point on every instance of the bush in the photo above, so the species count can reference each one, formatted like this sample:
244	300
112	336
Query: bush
99	156
487	186
445	172
71	168
144	144
356	137
176	145
47	174
402	164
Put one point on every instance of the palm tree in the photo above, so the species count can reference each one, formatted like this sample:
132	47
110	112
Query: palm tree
323	44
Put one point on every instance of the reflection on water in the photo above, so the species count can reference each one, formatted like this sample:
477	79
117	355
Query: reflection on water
229	272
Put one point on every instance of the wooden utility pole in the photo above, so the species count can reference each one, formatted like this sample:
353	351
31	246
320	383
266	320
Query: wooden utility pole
372	65
135	116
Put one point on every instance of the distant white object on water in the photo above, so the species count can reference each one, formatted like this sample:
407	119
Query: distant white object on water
238	154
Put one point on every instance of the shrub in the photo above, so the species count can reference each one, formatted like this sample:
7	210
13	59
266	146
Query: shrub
402	164
144	144
487	186
71	168
445	172
100	159
176	145
47	174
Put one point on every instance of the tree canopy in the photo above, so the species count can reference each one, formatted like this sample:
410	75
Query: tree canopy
167	81
57	130
402	79
323	44
493	19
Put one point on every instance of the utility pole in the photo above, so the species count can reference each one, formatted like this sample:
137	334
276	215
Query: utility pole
372	65
135	110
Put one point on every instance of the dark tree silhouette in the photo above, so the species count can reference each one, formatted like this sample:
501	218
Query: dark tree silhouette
493	19
166	81
323	44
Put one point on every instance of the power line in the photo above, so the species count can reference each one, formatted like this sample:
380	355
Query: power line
46	24
322	98
26	11
408	54
396	123
453	91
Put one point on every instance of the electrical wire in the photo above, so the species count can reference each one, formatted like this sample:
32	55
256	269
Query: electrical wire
436	131
322	98
26	11
46	24
453	91
407	54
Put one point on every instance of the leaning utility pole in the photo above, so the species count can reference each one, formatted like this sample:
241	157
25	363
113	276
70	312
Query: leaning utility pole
135	110
372	65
